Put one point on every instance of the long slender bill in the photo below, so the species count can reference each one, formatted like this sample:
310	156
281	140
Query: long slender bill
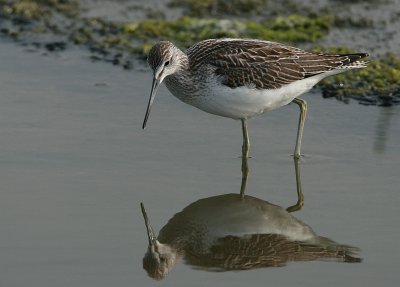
154	87
150	232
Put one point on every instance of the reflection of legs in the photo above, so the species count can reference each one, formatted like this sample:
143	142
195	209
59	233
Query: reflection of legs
303	112
300	196
245	155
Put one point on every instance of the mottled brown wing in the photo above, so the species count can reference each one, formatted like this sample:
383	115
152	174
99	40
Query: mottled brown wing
266	250
262	64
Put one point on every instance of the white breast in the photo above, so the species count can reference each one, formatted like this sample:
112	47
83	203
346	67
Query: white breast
245	102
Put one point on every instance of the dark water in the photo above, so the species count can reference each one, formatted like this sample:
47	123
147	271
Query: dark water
75	164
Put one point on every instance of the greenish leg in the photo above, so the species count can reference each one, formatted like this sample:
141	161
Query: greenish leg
300	196
303	113
245	156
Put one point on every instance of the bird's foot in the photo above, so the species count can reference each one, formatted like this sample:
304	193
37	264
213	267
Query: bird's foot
299	205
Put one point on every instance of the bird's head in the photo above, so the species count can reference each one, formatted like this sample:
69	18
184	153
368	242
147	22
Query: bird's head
160	258
164	59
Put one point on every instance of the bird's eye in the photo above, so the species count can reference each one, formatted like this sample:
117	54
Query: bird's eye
166	63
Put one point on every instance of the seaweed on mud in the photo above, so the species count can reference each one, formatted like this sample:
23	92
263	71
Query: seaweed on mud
136	38
187	30
38	9
377	84
216	7
240	8
26	19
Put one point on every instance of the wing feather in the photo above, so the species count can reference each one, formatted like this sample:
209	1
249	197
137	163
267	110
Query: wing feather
262	64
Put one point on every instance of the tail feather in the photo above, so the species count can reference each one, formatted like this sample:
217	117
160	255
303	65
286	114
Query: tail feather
334	64
356	56
353	60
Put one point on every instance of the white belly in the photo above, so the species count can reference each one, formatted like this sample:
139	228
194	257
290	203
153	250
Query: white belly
245	102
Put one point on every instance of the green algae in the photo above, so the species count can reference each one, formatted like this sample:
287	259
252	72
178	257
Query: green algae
33	18
268	9
25	9
38	9
291	29
136	38
378	83
217	7
241	8
186	31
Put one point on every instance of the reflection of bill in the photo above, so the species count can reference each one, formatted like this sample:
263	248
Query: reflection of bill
228	232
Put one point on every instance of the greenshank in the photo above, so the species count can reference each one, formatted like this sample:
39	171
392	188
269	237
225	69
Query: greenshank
242	78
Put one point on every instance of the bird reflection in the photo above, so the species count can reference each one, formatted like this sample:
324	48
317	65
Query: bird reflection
300	197
234	232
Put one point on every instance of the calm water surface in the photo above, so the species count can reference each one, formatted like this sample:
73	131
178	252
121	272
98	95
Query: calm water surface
75	164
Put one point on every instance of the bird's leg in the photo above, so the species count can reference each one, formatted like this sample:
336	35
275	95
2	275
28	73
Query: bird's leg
300	196
245	156
303	112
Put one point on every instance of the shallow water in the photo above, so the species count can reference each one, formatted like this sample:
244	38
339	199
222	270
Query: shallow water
75	164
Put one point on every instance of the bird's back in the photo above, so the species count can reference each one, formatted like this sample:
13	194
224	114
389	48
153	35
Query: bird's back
265	64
